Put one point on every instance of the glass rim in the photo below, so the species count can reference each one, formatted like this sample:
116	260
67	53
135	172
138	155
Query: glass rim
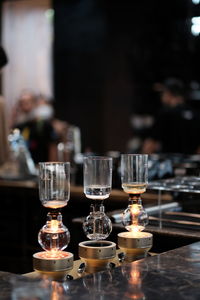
53	163
134	155
96	157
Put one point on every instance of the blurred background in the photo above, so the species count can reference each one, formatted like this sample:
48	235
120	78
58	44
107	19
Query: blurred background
98	61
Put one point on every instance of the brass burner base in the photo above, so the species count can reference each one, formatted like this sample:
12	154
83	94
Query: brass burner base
96	255
135	247
55	268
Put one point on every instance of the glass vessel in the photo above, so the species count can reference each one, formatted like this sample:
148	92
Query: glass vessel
54	191
97	187
134	177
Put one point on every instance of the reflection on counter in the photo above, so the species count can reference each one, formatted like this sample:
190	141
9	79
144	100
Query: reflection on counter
134	275
171	275
175	274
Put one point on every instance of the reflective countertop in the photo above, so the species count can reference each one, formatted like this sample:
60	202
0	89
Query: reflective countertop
172	275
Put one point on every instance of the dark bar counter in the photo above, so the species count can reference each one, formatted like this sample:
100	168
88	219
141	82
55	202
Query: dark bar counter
172	275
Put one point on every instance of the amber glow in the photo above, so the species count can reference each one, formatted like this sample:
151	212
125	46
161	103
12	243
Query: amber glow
135	291
134	275
53	254
135	227
57	291
55	204
54	225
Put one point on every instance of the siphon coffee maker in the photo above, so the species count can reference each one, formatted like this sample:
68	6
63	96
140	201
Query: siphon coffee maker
54	237
134	176
96	253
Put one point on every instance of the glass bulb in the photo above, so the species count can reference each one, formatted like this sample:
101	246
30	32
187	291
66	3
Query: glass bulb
54	236
135	217
97	226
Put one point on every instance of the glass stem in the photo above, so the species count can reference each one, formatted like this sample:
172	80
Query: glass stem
95	208
135	199
54	221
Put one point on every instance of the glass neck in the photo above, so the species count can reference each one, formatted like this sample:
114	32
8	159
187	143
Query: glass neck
134	199
97	207
54	216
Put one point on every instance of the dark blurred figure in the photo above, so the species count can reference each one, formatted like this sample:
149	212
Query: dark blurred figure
3	121
44	109
141	125
176	128
24	108
35	123
3	58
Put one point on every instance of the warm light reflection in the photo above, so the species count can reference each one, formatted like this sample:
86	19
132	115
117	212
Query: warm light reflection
134	292
56	291
53	254
135	275
54	225
135	209
135	212
54	204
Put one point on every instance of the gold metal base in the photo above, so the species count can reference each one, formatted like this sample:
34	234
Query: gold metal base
96	254
136	245
55	268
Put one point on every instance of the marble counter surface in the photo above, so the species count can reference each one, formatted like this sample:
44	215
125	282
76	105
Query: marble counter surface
7	281
171	275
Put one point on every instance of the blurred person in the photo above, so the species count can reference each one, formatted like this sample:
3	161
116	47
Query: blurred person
24	108
141	125
35	124
176	128
15	160
43	109
41	139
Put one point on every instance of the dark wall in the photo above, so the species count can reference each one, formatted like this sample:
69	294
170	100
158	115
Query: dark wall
80	33
108	54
